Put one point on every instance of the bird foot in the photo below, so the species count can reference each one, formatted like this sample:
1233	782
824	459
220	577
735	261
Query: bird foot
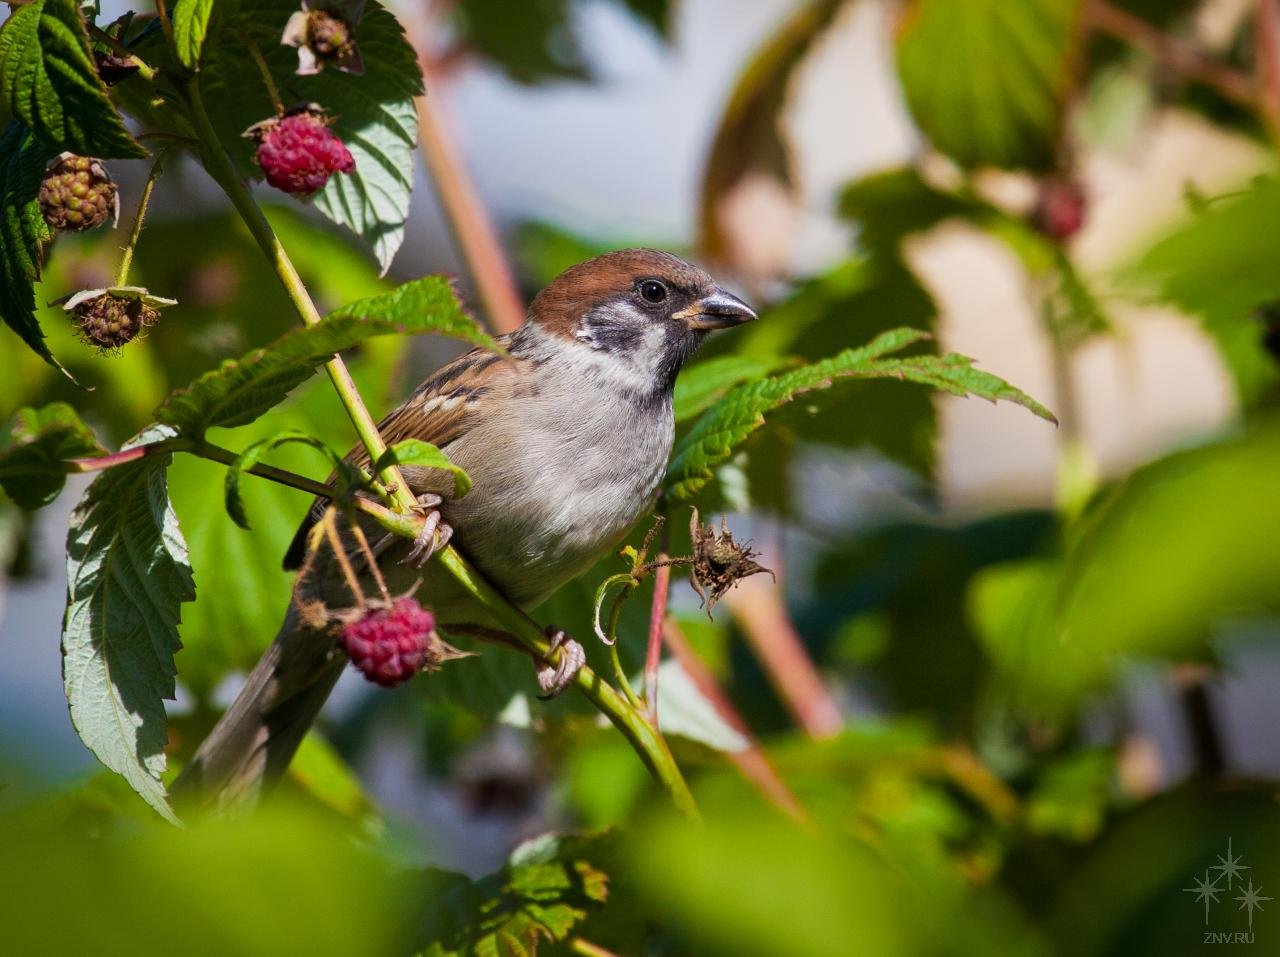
433	536
554	678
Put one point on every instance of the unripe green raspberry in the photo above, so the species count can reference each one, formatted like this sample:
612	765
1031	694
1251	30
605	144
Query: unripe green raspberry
78	194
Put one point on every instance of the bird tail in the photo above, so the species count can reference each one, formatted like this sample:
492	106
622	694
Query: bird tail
252	744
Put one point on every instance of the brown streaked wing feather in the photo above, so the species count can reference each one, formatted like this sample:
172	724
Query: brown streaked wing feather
438	412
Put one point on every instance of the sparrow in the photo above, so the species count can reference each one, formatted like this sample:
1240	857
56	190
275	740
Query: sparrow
565	435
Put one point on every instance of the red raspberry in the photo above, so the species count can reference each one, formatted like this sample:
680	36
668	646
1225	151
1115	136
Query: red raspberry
1060	209
391	645
298	152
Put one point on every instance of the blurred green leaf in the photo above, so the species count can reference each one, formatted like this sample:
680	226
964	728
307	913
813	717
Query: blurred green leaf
731	420
50	83
1072	795
748	140
240	390
277	882
1176	549
320	771
1221	266
23	233
32	453
128	575
988	80
373	114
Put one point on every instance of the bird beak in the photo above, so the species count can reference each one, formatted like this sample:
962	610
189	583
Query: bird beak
720	310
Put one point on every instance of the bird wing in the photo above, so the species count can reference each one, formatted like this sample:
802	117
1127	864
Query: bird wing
439	411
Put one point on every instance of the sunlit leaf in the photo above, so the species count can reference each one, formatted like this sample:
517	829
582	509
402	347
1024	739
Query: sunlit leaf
127	577
373	114
49	82
724	426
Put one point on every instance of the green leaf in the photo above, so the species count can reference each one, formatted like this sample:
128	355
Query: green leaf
748	140
1222	267
127	577
253	455
548	887
242	389
23	233
419	454
48	80
729	422
190	24
988	80
702	384
39	442
1059	628
373	114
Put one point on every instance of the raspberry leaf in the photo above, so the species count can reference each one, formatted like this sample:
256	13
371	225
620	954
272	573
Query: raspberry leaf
127	577
373	114
23	233
242	389
32	469
700	385
415	452
48	80
728	423
190	25
987	80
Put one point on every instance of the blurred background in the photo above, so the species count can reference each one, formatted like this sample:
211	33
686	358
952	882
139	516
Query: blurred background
1030	671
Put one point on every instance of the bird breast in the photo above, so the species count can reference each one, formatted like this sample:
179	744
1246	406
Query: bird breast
558	481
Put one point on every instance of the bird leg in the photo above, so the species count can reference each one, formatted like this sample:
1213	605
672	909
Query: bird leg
552	678
433	536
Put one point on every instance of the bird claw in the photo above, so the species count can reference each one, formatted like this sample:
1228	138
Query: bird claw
433	536
554	678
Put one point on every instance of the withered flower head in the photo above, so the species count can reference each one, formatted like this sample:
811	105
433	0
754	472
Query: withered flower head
324	32
719	562
109	318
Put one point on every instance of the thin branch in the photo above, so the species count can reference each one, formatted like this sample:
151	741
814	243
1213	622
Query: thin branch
145	70
1267	61
653	652
587	949
126	257
473	231
1174	53
752	762
758	607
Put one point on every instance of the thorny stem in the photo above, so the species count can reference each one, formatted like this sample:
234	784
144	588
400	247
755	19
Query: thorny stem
644	737
220	168
371	559
126	257
162	13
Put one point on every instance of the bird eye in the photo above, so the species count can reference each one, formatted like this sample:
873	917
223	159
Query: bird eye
653	291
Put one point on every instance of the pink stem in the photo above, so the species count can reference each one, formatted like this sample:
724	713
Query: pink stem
653	653
751	761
